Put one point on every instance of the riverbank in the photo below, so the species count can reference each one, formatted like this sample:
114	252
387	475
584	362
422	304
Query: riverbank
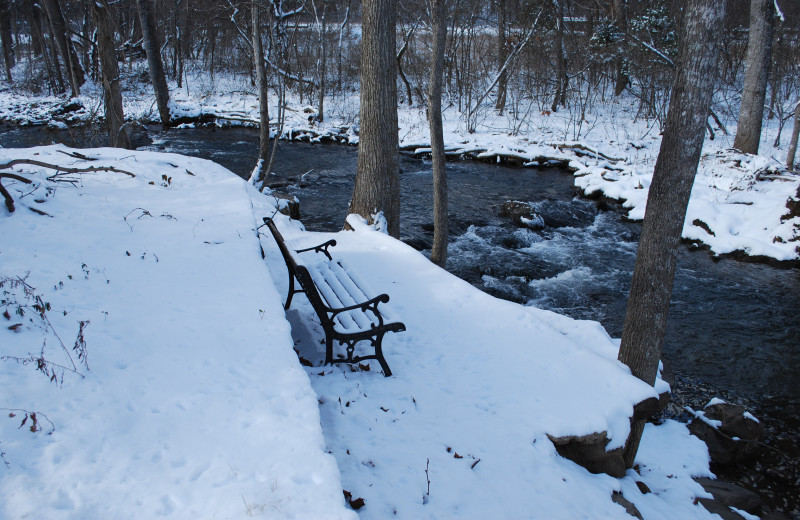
741	206
187	399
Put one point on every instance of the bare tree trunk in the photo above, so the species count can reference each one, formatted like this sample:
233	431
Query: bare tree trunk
377	183
438	10
339	54
620	15
759	46
322	59
560	96
502	55
675	169
58	28
5	38
112	94
261	170
154	62
400	53
793	141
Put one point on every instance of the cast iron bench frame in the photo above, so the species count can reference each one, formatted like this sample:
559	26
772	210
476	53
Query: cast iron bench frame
329	311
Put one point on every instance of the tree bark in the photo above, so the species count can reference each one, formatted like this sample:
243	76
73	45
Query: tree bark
5	38
154	62
793	141
58	28
377	183
675	169
260	171
759	46
438	10
112	93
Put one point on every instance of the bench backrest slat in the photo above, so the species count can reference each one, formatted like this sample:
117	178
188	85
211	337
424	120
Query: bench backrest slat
299	272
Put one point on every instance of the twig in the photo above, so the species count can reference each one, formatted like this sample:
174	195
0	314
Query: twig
34	417
427	475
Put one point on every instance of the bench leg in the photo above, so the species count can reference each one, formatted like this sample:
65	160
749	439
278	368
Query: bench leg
291	293
328	350
376	343
379	355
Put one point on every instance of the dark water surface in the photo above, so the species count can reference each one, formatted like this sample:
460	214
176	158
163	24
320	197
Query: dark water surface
732	324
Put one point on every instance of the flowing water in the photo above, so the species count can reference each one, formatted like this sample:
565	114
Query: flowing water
733	326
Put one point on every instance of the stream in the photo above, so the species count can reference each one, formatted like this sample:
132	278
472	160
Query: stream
732	330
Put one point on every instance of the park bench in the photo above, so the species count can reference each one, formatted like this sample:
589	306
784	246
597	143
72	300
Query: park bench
340	299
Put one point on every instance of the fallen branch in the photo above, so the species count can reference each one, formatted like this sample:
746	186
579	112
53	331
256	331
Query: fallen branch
63	169
4	191
588	151
76	155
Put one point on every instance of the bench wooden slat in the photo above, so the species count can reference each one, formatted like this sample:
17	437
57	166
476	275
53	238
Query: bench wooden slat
331	289
349	294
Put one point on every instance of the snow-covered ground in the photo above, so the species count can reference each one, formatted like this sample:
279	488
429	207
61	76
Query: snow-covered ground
185	398
190	402
738	203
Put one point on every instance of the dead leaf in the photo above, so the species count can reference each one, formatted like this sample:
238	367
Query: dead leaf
355	504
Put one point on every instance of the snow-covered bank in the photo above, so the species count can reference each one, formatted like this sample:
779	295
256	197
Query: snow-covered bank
193	403
738	205
461	429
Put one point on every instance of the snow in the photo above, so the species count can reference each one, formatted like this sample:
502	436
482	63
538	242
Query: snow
194	404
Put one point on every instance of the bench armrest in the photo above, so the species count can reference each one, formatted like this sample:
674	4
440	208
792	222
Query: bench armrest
322	248
369	305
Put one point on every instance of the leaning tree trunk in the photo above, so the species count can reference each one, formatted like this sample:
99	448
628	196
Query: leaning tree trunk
675	169
438	9
260	171
112	93
154	62
795	136
5	38
40	48
58	28
759	45
377	184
